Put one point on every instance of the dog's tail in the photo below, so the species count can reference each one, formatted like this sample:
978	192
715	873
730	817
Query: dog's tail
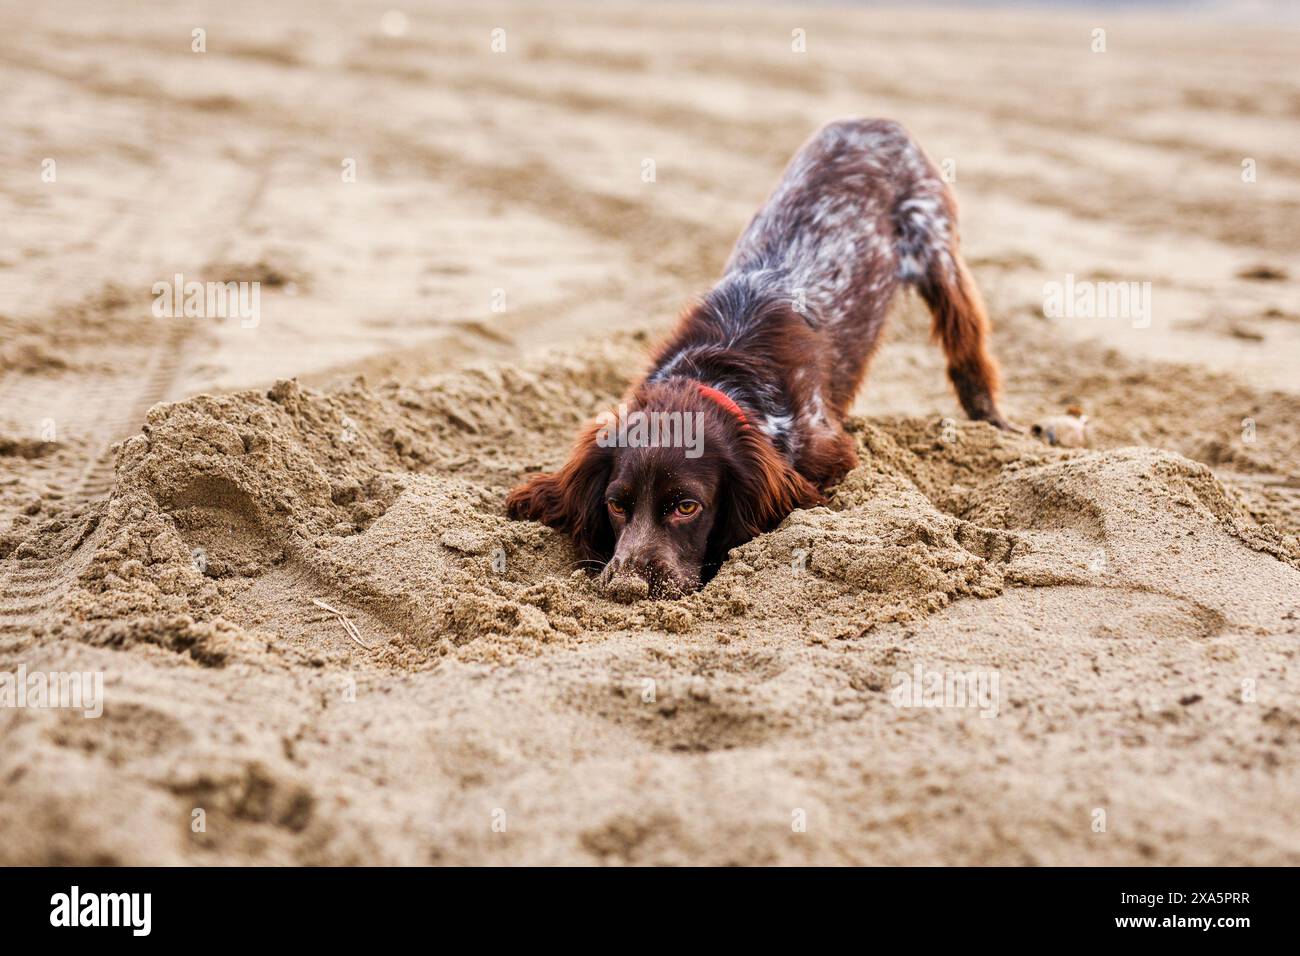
929	257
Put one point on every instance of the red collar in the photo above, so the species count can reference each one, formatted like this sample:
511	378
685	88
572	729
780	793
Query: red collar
723	401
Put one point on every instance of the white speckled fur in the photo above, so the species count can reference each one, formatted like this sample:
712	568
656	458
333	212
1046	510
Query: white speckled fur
859	212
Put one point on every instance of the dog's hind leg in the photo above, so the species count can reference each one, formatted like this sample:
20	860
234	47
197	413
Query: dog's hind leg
931	260
962	327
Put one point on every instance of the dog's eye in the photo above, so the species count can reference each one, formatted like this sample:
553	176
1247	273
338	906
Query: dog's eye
687	508
615	507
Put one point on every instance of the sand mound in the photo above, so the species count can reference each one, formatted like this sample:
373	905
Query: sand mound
492	676
233	514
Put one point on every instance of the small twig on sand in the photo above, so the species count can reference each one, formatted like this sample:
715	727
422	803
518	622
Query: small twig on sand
348	627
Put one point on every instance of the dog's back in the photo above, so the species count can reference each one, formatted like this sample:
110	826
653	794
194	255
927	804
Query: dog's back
860	211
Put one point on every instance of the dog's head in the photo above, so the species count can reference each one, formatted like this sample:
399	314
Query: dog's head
659	493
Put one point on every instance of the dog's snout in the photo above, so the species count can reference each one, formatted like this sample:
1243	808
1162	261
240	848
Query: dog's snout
642	567
618	566
638	576
636	565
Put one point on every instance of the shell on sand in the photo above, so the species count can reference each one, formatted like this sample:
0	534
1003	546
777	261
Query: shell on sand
1065	431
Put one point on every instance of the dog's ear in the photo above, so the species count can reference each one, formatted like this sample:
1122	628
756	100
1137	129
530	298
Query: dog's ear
572	500
760	490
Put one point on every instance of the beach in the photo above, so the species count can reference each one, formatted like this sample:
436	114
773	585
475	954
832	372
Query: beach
268	511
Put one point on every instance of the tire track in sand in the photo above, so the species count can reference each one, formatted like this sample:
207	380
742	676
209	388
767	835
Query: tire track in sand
108	409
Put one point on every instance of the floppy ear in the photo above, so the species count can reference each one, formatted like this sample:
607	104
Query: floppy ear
572	500
761	489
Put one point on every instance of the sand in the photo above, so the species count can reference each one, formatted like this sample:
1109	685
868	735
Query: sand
193	509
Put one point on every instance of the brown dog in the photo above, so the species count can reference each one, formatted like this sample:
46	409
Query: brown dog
766	366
